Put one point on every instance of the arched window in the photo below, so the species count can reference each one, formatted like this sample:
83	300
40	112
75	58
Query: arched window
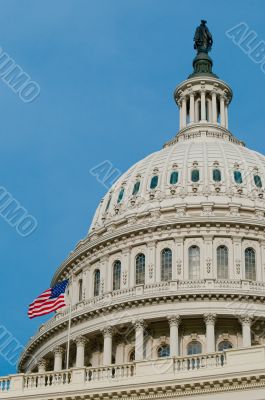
174	177
97	282
132	356
217	177
80	290
250	264
195	175
194	263
154	182
140	269
238	177
258	181
163	351
108	203
166	265
116	275
194	347
136	188
222	262
224	345
120	197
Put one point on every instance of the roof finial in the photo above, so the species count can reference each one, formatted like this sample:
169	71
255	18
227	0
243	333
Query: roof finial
202	63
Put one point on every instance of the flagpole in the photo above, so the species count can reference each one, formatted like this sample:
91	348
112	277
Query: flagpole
69	322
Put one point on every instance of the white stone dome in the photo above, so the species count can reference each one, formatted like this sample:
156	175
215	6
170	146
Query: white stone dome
201	148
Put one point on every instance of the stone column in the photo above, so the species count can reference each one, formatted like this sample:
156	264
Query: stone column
214	107
203	106
107	350
174	322
184	112
139	339
222	111
58	358
209	320
246	330
180	114
192	108
226	114
80	351
42	365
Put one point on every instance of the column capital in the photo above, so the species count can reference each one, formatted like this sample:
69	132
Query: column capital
174	320
59	350
139	324
209	318
246	319
42	363
80	340
107	331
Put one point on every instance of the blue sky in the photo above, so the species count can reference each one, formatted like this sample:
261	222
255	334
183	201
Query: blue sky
107	70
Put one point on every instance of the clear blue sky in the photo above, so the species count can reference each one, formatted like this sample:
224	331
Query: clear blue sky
107	70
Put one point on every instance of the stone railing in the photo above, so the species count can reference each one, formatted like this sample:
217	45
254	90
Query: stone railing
198	361
135	374
33	381
4	384
112	372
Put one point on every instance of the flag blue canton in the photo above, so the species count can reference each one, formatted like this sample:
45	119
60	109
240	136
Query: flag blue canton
58	289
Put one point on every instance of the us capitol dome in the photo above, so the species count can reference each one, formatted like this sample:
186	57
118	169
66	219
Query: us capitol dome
168	287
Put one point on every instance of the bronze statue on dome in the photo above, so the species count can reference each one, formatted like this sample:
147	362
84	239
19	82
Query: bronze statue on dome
203	38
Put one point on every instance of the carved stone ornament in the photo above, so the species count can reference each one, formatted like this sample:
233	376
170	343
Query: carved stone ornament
174	320
124	277
151	271
238	265
179	266
208	264
209	319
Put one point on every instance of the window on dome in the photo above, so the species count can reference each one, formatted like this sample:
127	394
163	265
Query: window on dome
132	356
238	177
250	264
108	204
217	177
224	345
174	177
120	197
258	181
80	290
116	275
136	188
166	265
154	182
195	175
222	262
163	351
97	282
194	263
140	269
194	347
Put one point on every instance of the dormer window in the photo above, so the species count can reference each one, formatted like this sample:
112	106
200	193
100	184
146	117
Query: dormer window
154	182
108	203
120	197
258	181
136	188
174	177
195	175
217	176
238	177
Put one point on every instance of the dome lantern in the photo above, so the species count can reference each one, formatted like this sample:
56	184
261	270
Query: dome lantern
203	98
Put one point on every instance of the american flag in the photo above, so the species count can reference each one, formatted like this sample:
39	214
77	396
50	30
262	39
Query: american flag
50	300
